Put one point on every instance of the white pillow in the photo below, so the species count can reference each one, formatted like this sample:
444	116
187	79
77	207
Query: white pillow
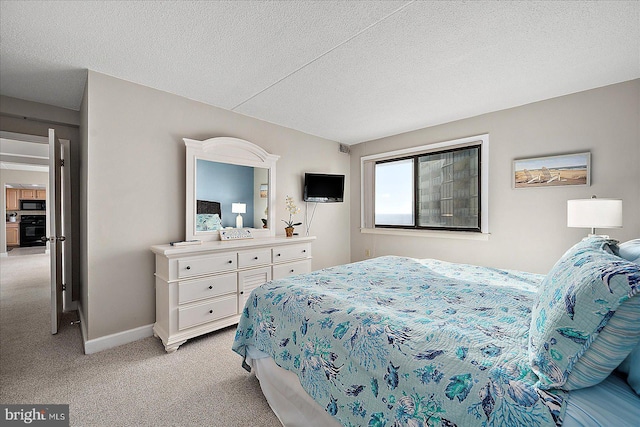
631	367
630	250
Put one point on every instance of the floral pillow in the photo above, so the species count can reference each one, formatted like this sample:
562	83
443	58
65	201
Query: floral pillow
575	302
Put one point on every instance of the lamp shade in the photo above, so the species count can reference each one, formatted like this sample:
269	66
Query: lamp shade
238	208
594	213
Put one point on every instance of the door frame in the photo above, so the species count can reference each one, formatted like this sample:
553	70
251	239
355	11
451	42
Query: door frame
68	303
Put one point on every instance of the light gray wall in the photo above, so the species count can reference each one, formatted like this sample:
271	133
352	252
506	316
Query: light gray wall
135	190
528	226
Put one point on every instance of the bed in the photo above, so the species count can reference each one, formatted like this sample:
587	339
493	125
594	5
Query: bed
396	341
208	215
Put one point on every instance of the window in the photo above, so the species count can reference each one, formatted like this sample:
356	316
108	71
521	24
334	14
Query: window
434	187
394	193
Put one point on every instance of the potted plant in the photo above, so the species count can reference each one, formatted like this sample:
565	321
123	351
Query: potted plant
293	210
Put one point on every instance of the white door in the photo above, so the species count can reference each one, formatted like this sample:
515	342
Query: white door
69	292
55	226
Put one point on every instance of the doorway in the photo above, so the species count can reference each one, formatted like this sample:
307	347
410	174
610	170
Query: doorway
25	178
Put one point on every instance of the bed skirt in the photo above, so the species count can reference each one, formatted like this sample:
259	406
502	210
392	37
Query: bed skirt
610	403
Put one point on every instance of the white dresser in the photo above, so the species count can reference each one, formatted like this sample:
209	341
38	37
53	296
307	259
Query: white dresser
203	288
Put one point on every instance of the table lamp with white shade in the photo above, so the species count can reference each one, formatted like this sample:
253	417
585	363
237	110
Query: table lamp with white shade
238	208
594	213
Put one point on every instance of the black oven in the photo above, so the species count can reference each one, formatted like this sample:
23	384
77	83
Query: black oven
33	205
32	229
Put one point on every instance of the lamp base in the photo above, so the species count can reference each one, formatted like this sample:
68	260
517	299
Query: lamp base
239	221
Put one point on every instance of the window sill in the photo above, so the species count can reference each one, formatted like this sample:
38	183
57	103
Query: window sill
462	235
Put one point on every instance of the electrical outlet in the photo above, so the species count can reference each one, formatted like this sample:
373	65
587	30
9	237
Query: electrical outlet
367	252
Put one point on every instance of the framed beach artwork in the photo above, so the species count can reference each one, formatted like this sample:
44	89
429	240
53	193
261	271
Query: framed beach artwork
552	171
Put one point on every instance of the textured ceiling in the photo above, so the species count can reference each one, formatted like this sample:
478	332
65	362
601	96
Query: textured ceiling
343	70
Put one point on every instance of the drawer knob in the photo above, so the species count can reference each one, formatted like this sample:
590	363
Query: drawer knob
304	251
188	267
255	258
241	292
210	311
277	254
230	261
210	287
291	271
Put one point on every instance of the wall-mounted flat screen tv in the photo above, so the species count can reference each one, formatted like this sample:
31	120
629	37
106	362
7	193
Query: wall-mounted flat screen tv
323	188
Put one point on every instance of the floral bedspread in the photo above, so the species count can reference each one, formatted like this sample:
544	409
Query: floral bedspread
397	341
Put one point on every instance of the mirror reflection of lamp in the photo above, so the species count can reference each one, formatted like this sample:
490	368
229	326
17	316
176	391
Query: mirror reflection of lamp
238	208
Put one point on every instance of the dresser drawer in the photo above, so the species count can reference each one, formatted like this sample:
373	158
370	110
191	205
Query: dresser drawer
207	311
248	280
213	286
284	270
257	257
197	266
290	252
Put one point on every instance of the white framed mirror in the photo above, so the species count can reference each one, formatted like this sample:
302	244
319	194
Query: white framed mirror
230	184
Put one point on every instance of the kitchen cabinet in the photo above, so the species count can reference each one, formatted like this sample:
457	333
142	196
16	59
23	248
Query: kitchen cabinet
33	194
13	234
27	194
13	199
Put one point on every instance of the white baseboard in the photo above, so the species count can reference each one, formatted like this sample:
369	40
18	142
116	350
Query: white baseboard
113	340
4	254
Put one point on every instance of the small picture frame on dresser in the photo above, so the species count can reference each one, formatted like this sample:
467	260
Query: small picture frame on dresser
235	234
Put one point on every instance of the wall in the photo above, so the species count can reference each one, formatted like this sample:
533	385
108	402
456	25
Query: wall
135	153
528	226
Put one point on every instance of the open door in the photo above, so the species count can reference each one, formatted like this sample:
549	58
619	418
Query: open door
55	227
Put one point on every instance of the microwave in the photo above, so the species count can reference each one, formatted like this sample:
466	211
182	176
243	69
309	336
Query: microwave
33	205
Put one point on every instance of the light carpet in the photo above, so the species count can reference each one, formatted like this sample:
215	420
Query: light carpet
138	384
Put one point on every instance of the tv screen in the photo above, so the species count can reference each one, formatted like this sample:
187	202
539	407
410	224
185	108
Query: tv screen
323	188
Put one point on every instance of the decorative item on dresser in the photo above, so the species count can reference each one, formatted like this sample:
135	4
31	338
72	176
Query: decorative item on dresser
202	288
293	210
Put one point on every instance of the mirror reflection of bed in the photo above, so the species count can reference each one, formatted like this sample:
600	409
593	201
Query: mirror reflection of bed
208	215
220	185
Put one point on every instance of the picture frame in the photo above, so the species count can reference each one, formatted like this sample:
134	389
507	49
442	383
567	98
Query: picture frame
552	171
